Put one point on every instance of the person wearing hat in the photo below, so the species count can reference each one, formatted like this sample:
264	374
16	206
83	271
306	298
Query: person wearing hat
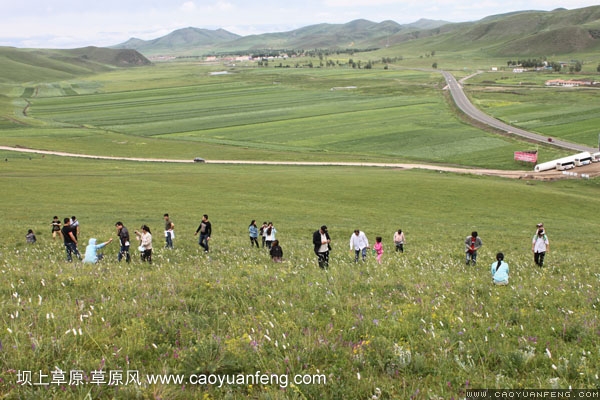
91	251
321	241
539	247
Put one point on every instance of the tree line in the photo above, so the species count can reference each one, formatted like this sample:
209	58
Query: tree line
575	65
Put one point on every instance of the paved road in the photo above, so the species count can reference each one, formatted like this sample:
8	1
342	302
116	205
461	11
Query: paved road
473	112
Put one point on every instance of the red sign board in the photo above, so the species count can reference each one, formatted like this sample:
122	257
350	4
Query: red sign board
527	156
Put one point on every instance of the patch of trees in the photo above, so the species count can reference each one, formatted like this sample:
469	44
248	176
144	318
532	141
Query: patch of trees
529	63
575	65
389	60
267	53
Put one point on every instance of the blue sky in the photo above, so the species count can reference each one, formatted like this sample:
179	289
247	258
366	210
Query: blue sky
78	23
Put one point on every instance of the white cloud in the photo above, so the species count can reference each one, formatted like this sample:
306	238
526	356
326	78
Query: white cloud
361	3
224	6
188	6
62	23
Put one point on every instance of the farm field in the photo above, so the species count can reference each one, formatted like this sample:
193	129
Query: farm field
181	111
421	324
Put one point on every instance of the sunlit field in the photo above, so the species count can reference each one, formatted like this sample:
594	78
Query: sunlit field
182	111
230	323
523	100
421	324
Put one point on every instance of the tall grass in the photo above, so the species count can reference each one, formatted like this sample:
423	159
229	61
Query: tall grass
422	324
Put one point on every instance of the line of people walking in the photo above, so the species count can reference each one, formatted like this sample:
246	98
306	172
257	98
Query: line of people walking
359	243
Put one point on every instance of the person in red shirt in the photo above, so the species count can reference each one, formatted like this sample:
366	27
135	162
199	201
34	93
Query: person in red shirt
472	244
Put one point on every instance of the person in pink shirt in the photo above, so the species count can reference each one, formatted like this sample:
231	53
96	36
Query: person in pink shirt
378	248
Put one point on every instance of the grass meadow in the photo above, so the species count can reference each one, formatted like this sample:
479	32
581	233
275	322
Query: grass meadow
524	101
420	325
181	111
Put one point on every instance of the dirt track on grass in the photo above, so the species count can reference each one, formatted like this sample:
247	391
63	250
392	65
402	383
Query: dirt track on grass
592	170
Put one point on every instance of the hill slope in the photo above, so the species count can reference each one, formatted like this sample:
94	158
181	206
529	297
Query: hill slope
522	33
38	65
517	33
359	34
181	41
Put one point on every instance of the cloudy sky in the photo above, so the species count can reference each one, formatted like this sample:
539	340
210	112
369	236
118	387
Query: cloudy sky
77	23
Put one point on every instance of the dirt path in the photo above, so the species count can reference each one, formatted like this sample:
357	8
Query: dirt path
592	170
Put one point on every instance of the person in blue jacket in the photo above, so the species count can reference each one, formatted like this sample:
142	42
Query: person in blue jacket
500	270
91	251
253	231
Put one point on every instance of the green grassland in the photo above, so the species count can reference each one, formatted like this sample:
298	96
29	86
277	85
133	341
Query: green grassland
523	100
420	324
181	111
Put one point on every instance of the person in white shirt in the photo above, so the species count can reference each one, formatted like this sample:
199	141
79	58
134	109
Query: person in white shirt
399	240
540	246
359	243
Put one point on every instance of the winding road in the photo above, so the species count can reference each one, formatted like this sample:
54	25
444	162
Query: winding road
462	102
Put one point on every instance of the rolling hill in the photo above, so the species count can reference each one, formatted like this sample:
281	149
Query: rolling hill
517	33
180	42
525	33
193	41
38	65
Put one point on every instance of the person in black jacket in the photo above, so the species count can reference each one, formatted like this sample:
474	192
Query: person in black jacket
276	252
205	230
321	241
123	234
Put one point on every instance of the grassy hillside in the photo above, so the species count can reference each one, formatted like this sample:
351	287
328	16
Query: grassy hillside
182	41
526	33
40	65
529	33
421	324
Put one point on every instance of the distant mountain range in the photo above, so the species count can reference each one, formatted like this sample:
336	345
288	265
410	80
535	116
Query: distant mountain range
358	34
524	33
527	34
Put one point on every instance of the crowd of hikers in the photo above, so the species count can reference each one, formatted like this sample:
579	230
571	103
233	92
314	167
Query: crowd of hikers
69	230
